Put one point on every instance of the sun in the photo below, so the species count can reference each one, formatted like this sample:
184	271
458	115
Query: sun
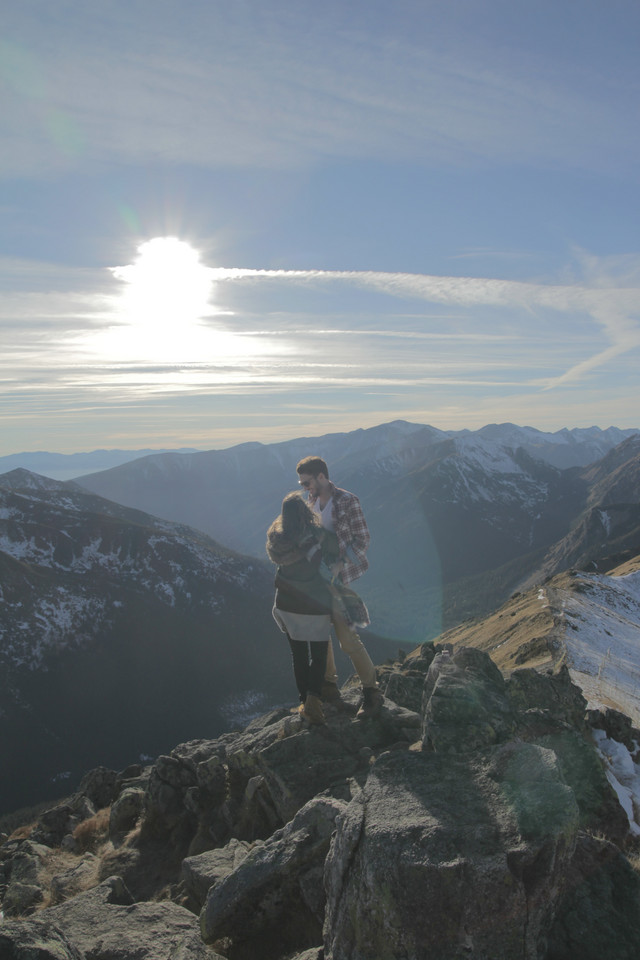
167	285
165	298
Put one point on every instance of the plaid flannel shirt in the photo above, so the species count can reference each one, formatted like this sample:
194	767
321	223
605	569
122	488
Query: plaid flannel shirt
352	532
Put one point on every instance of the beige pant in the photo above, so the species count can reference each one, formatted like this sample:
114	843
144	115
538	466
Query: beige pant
352	645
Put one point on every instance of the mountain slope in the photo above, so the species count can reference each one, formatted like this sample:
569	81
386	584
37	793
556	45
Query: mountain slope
589	621
119	632
609	525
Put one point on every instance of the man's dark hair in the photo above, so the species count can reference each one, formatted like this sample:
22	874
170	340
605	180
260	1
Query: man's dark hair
313	466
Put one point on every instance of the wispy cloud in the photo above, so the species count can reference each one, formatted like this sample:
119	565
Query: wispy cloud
613	308
259	86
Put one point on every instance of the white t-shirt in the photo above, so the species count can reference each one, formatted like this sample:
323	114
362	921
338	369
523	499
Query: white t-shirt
326	513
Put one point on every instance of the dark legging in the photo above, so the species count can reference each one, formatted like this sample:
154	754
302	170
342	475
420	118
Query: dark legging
309	665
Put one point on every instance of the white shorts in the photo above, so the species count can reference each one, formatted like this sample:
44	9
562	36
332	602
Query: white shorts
304	626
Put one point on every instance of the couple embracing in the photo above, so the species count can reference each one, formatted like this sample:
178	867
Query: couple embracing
319	547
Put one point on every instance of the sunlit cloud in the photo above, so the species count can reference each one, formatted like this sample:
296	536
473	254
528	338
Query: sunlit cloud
482	349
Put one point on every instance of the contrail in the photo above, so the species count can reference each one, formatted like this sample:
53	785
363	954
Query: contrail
613	308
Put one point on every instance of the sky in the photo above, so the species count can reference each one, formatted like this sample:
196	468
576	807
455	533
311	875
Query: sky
239	221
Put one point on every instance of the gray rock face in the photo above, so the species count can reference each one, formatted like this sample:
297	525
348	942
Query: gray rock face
464	702
441	856
207	870
125	812
254	901
36	939
22	873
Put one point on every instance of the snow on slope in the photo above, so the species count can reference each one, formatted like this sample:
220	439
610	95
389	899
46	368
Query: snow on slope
602	639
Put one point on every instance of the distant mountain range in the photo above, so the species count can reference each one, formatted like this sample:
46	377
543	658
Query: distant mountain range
458	519
66	466
565	448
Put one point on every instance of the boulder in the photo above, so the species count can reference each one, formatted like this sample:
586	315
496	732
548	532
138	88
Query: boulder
21	899
464	705
35	939
275	897
77	878
125	813
24	876
535	696
60	821
617	726
449	856
201	872
100	786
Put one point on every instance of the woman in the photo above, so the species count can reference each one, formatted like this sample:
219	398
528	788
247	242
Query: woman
302	609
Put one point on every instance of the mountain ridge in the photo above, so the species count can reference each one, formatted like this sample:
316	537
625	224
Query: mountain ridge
441	505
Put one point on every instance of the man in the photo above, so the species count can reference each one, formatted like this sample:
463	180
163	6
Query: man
341	512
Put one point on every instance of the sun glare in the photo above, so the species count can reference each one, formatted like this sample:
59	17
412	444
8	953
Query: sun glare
167	286
167	294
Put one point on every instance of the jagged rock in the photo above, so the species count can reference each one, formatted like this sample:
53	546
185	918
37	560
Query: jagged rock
465	704
165	812
277	892
100	786
21	898
23	874
617	726
460	830
79	877
449	856
598	916
35	939
248	784
403	682
104	924
582	769
125	813
201	872
553	697
61	820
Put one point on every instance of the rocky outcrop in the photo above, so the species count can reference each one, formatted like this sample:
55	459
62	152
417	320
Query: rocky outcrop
472	818
106	923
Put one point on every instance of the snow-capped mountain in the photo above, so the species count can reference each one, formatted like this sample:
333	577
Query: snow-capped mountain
117	630
457	519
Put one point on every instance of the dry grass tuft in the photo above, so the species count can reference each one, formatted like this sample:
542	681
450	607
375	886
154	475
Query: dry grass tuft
22	833
93	832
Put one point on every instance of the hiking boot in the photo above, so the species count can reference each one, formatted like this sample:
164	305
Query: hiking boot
330	692
312	709
372	700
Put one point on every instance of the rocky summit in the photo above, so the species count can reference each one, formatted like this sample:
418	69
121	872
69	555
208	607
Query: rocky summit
473	818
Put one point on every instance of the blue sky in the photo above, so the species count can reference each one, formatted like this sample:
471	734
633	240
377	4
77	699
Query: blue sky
418	210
